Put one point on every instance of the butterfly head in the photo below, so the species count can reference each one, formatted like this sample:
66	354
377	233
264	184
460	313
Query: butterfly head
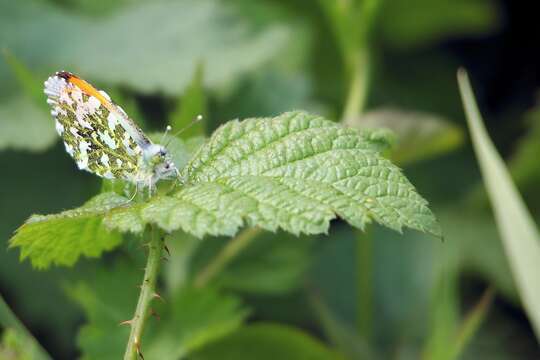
158	159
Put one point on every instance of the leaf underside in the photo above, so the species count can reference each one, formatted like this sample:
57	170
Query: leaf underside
294	172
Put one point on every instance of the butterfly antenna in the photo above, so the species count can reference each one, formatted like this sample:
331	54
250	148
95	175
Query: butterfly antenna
193	122
167	130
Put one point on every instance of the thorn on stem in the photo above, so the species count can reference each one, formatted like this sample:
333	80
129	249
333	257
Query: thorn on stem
154	314
167	250
157	296
126	322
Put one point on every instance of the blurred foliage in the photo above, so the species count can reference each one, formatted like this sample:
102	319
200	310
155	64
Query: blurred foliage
272	264
185	118
188	319
420	135
168	54
13	348
429	21
524	166
282	296
267	341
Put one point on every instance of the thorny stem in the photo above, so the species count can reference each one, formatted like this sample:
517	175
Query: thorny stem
228	253
148	292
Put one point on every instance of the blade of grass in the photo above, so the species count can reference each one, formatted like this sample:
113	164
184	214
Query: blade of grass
31	86
226	255
519	234
346	339
9	320
471	323
445	316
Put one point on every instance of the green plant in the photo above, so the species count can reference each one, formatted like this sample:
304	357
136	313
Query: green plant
370	63
295	172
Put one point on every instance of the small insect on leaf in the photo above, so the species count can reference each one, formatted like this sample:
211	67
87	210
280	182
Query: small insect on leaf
101	137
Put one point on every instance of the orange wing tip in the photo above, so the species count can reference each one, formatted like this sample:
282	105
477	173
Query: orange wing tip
66	75
57	83
88	89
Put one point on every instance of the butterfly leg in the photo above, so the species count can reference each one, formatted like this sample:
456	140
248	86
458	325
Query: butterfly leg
151	187
135	193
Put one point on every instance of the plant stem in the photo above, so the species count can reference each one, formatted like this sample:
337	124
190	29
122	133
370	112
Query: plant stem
148	292
228	253
358	64
471	323
10	321
358	87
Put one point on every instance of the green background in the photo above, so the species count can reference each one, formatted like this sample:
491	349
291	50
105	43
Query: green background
344	295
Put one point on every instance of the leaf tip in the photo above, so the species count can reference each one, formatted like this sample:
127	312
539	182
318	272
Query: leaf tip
462	76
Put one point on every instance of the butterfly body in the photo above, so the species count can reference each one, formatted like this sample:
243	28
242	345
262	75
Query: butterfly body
100	136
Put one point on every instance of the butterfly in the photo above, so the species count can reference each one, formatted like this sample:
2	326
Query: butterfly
100	136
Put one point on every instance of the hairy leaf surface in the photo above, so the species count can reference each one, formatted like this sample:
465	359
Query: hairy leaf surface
62	238
294	172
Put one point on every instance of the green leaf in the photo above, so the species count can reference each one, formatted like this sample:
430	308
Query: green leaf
107	299
419	135
296	172
62	238
25	126
197	31
267	341
195	318
518	231
192	104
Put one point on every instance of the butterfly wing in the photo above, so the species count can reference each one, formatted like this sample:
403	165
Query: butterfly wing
96	132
